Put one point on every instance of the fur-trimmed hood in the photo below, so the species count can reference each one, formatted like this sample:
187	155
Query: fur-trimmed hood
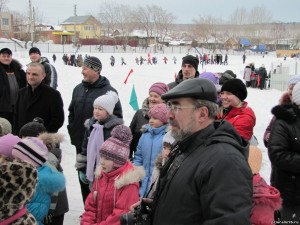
288	112
51	140
130	175
159	162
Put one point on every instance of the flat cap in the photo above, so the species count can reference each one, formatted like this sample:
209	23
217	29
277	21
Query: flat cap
199	88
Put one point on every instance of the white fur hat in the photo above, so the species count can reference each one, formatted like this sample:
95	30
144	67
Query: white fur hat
296	94
107	101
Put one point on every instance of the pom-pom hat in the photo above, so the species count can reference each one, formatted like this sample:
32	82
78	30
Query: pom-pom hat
159	111
116	148
107	101
7	142
5	126
32	150
159	88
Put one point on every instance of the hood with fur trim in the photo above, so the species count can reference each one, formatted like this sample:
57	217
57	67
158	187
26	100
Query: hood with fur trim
288	112
51	140
130	176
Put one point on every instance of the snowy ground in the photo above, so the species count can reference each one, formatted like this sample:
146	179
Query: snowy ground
143	76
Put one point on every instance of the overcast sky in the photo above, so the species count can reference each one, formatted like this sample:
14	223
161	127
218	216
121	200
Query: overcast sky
56	11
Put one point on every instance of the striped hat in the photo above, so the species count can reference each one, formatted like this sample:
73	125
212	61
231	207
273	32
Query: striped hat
93	63
116	148
32	150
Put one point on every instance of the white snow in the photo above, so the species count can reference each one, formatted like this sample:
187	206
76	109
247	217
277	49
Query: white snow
143	76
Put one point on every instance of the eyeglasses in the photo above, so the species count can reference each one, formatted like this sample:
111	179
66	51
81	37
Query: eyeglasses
175	108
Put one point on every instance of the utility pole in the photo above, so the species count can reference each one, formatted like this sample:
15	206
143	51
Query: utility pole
31	23
75	14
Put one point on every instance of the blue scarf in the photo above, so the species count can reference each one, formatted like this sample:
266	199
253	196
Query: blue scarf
96	139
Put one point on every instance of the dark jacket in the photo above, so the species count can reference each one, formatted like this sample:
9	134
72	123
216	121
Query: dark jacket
44	102
284	153
45	62
285	99
262	73
212	182
16	68
139	119
81	107
52	72
179	79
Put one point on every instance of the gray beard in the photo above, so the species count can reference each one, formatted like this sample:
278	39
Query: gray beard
184	132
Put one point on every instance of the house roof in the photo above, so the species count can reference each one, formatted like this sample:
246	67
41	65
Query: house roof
76	19
245	42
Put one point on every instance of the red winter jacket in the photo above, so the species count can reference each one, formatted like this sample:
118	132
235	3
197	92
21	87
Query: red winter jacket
112	195
242	119
266	199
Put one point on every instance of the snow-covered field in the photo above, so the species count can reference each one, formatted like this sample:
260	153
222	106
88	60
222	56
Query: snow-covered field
143	76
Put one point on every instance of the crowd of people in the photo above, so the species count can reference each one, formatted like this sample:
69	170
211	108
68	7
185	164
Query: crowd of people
189	155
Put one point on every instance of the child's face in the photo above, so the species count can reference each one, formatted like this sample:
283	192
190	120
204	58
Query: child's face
106	164
100	113
165	152
155	123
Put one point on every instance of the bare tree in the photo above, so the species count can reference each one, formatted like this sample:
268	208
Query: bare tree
259	14
124	23
163	22
206	28
107	16
143	16
3	5
278	32
239	16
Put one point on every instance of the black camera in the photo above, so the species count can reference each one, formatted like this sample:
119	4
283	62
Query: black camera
140	216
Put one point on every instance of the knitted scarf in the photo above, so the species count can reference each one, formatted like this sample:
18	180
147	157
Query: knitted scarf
96	139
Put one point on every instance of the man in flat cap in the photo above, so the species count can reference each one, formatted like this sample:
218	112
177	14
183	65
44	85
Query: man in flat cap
207	179
12	78
189	69
81	107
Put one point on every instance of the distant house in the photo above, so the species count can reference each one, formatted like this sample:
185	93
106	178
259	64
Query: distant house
244	42
84	27
6	25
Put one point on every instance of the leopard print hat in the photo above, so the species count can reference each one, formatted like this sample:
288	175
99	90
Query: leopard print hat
18	180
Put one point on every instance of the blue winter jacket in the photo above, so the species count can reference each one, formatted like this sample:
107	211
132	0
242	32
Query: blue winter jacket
149	147
49	182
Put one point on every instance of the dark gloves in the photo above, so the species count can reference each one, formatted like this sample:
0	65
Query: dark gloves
48	218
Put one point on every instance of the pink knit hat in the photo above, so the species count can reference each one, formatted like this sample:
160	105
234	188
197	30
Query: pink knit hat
32	150
159	88
116	148
159	111
7	143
